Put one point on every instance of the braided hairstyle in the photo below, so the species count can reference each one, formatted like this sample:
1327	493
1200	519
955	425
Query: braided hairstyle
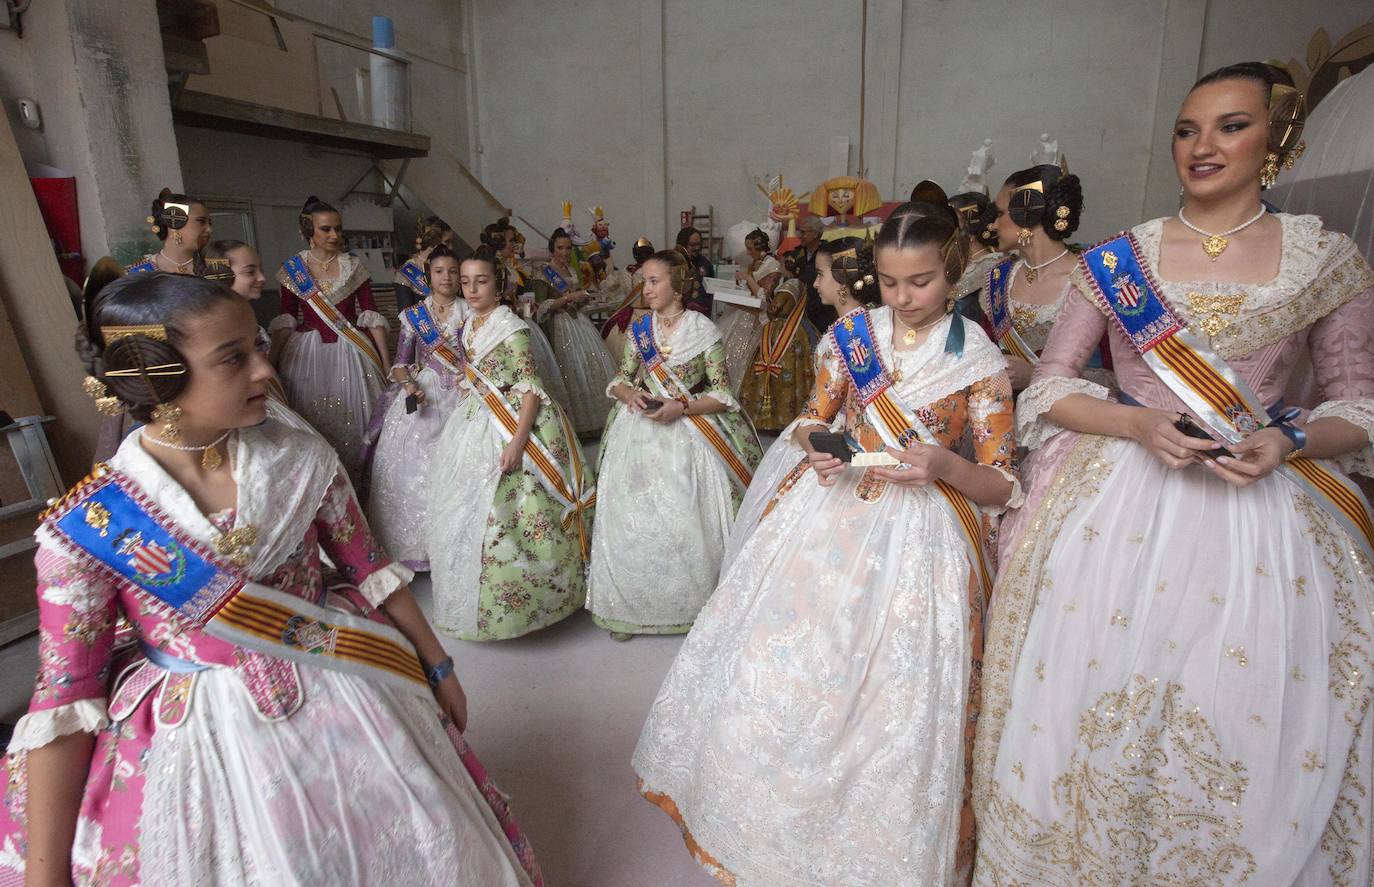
852	266
153	298
680	272
928	223
313	205
977	216
484	253
166	214
1057	207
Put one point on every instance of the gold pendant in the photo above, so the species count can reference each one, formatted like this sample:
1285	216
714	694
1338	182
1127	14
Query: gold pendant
1215	246
210	459
234	545
1031	274
909	337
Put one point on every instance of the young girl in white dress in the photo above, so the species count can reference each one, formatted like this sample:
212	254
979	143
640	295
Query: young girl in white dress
817	723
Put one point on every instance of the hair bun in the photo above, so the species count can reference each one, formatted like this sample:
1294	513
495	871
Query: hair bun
1063	207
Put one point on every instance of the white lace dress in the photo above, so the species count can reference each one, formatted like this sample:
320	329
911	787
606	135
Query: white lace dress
814	727
398	483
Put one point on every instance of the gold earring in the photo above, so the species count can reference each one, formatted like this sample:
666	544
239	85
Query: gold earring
1023	237
1269	173
167	414
96	390
177	234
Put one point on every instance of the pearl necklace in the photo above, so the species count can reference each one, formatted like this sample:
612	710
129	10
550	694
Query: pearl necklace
1215	244
210	458
1033	270
658	320
180	266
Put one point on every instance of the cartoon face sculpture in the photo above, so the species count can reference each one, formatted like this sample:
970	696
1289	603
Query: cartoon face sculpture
841	200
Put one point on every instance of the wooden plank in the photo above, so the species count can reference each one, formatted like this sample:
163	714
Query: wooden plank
217	112
38	323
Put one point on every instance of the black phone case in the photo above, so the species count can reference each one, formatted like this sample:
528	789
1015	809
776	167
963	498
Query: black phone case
652	403
1191	428
832	444
412	403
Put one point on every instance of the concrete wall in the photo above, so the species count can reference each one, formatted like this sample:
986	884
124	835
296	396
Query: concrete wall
573	99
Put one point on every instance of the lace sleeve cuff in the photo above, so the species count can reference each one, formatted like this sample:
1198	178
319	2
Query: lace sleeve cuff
38	728
282	322
1359	413
521	388
379	586
368	320
1015	500
1032	426
725	398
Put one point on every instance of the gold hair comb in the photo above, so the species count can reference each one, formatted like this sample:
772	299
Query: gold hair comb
149	330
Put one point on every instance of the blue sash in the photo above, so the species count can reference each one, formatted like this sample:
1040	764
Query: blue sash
643	329
107	519
555	278
999	307
1201	378
427	329
141	266
109	525
300	275
415	275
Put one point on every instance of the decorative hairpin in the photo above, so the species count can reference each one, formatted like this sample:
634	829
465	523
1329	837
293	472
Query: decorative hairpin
149	330
105	403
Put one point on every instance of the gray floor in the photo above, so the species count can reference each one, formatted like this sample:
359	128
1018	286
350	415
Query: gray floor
555	717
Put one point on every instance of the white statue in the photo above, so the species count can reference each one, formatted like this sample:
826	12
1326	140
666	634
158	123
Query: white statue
979	162
1048	152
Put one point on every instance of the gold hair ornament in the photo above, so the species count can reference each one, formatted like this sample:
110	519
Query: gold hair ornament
105	403
148	330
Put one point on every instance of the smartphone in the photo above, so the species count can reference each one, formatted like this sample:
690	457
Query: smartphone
831	444
652	403
1186	424
412	403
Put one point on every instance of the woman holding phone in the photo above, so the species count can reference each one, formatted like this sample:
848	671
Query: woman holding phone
817	723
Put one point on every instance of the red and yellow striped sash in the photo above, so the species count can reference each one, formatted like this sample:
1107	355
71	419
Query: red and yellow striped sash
340	325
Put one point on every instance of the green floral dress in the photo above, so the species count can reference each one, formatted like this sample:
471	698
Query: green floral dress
508	553
667	496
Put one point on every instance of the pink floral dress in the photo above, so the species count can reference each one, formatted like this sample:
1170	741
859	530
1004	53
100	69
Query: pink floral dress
218	764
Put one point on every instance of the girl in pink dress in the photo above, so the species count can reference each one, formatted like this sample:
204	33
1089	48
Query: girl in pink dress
208	710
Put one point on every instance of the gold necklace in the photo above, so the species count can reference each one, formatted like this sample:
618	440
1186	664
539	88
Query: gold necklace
324	265
1032	271
659	318
1215	244
909	337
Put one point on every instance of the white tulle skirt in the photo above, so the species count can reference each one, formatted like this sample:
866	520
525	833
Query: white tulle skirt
361	785
779	460
1191	698
587	370
546	364
740	332
334	388
398	495
812	728
661	489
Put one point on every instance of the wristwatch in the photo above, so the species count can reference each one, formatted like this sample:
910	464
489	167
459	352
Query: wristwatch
440	670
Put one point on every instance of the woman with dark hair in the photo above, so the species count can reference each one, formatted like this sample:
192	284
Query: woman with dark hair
691	243
741	327
203	696
411	283
677	456
1037	210
332	365
587	367
409	418
183	225
1181	644
978	218
816	725
779	376
511	496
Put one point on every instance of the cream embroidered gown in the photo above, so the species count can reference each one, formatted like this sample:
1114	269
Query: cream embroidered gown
814	728
1178	675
